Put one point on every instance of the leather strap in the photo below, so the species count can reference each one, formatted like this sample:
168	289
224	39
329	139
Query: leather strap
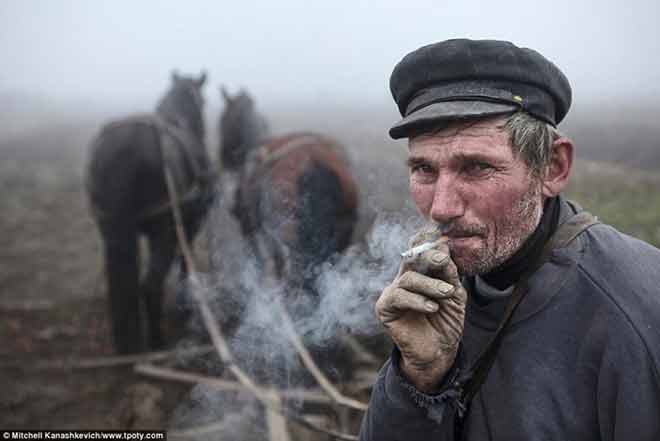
267	157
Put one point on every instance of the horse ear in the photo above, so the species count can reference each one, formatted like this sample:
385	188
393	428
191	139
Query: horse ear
202	79
175	75
243	92
225	94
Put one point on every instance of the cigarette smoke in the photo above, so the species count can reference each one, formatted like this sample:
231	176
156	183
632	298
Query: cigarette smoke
347	288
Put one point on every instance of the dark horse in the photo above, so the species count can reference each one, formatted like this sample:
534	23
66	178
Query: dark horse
129	197
242	128
295	200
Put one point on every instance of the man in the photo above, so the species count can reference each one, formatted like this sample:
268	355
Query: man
579	356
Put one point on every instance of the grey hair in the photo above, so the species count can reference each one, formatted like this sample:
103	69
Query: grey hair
531	139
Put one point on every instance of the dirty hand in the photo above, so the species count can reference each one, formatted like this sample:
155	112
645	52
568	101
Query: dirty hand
423	311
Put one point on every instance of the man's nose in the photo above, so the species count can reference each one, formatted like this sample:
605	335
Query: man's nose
448	204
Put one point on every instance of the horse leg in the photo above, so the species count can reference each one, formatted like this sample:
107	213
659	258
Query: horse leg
162	250
122	272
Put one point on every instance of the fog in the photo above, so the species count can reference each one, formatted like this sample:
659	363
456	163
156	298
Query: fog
289	52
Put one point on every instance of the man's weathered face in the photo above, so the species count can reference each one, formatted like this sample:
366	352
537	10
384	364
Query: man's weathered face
466	178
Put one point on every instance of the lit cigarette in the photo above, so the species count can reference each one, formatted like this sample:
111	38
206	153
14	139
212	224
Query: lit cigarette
416	251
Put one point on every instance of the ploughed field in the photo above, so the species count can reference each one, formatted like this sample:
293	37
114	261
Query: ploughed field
52	299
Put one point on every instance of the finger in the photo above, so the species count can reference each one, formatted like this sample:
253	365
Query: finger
398	301
428	233
438	264
432	261
419	283
425	259
450	311
460	294
448	324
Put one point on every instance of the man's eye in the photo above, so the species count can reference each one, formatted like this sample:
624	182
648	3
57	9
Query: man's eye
478	167
421	168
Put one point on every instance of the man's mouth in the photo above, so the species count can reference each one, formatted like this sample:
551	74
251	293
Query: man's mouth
455	235
461	238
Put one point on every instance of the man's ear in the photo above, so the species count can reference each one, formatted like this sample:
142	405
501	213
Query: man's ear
558	170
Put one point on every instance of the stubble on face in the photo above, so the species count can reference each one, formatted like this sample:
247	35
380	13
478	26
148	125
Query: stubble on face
510	231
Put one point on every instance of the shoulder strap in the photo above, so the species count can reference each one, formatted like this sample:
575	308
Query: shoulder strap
564	235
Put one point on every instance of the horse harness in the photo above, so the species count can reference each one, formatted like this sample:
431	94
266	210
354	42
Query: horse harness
263	156
175	144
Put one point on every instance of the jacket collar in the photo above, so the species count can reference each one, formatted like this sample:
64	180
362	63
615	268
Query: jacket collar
544	284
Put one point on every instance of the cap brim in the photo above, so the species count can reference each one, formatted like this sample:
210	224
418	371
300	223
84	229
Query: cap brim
447	111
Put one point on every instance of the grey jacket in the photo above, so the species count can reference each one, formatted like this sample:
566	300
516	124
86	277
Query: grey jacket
580	361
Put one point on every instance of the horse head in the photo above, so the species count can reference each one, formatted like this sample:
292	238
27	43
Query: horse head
242	128
183	104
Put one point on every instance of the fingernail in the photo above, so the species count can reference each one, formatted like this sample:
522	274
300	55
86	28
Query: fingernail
438	258
431	306
444	286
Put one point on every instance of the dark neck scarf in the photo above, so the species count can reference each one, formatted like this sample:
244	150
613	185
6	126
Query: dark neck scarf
510	271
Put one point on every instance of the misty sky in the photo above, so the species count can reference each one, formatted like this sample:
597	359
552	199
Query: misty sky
291	51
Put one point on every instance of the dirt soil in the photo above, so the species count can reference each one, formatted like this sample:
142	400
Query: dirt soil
51	296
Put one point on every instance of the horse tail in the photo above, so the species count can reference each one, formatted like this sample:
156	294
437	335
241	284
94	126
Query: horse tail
325	219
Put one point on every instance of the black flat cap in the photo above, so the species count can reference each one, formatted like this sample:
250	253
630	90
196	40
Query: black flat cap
460	79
